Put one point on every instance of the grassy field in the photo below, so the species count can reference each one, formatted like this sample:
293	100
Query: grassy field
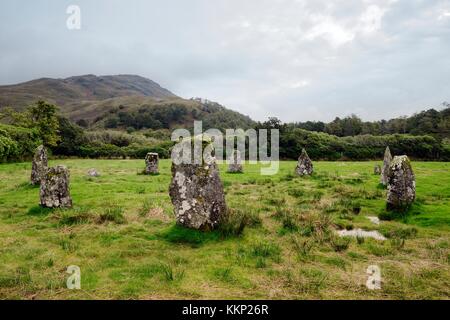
121	233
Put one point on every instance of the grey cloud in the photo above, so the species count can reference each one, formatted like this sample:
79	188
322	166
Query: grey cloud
295	59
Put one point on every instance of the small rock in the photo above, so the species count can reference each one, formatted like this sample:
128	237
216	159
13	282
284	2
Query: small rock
374	220
39	165
93	173
55	191
401	184
151	163
304	166
235	163
361	233
386	164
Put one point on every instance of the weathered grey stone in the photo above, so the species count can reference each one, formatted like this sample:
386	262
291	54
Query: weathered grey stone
55	191
93	173
386	164
401	184
235	165
377	170
197	193
39	165
304	166
151	163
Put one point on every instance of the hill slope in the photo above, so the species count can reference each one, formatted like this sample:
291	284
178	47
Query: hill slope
80	88
120	101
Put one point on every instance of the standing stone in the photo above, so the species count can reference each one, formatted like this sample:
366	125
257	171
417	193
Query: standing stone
377	170
39	165
401	184
55	191
197	193
386	164
304	166
151	163
235	165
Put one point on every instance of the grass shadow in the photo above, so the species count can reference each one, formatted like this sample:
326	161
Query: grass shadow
401	215
195	238
39	211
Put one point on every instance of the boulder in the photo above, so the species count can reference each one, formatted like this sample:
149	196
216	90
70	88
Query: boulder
151	163
386	164
197	193
39	165
304	166
401	184
55	191
377	170
235	165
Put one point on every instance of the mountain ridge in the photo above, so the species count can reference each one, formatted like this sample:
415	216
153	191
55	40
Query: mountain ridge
89	87
119	101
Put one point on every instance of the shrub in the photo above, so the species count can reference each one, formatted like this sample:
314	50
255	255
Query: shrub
340	243
236	221
113	214
302	247
17	143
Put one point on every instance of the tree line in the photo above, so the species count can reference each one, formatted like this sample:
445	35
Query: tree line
424	136
429	122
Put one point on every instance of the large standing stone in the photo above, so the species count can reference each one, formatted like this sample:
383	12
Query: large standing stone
401	184
386	164
151	163
197	194
39	165
55	191
377	170
235	165
304	166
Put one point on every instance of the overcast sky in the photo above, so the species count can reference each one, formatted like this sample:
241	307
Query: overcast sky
297	60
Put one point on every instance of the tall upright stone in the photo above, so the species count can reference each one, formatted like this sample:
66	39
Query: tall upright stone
401	184
304	166
39	165
55	192
197	192
235	165
151	163
386	164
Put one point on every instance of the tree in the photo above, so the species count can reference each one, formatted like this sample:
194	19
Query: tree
43	117
71	138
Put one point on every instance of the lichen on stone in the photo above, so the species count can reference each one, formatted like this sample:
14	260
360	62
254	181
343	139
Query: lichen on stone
386	165
197	194
39	165
304	165
55	191
401	184
152	163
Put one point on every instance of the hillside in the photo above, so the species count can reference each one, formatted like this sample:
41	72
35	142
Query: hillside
120	101
80	88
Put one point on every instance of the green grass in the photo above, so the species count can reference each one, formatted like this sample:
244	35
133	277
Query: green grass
277	244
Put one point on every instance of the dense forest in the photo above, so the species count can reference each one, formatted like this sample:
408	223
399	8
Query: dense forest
424	135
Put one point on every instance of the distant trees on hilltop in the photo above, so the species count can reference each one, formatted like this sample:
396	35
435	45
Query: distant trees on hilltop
429	122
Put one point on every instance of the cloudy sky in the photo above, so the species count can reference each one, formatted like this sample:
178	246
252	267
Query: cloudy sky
294	59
